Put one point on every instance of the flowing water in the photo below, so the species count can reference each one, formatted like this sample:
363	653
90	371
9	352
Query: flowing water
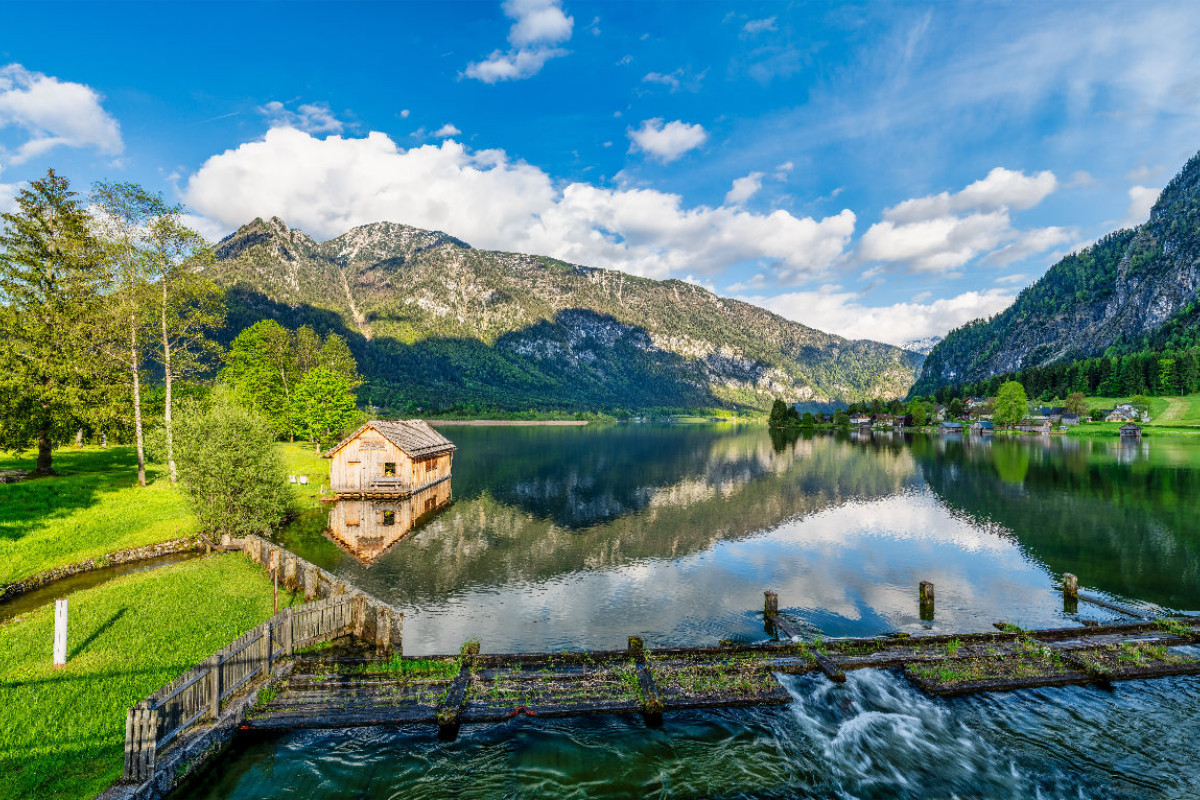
578	538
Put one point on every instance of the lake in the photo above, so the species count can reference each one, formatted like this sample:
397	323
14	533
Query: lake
552	538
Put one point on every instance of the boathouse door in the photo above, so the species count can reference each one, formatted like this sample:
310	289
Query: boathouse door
354	471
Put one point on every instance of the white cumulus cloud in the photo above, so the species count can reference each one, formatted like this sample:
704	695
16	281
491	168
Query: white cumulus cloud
942	232
310	117
844	314
52	113
759	25
327	186
538	27
1141	200
667	142
744	188
447	131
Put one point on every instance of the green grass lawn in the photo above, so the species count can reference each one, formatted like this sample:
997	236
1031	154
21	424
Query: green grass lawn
62	732
92	507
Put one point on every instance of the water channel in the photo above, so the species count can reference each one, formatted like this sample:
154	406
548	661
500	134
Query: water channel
553	538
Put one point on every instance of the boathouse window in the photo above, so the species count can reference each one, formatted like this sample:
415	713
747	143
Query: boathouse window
389	518
389	469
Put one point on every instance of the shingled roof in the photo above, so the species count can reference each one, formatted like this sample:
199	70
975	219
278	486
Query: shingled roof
414	436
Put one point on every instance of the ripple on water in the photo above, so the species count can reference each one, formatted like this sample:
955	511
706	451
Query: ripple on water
873	737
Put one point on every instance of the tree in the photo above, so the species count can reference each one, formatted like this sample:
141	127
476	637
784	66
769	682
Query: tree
1011	404
919	412
189	307
230	469
1141	404
807	421
261	366
955	408
779	415
1076	403
324	406
124	211
50	280
841	419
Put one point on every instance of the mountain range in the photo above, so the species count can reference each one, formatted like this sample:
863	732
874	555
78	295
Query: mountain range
1133	290
436	323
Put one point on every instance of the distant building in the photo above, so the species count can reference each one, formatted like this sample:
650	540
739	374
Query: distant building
939	413
1034	426
1069	419
983	426
951	427
862	420
1131	430
885	421
389	459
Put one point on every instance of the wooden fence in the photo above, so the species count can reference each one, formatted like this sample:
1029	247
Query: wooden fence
197	695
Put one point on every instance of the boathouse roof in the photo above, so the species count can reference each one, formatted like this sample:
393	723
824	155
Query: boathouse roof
414	436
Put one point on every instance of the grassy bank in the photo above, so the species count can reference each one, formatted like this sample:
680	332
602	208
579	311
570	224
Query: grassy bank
91	508
62	732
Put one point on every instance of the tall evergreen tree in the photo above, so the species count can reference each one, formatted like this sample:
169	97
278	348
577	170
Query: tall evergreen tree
50	281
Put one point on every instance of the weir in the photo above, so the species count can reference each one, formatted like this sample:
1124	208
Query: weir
290	673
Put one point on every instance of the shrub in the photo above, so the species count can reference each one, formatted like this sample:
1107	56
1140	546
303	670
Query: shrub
230	469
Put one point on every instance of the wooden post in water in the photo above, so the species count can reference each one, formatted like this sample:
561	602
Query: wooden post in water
1070	593
770	604
60	632
926	600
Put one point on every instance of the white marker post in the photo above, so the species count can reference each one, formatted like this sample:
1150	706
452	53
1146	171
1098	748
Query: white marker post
60	632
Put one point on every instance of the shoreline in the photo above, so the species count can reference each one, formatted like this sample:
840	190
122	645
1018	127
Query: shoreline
506	422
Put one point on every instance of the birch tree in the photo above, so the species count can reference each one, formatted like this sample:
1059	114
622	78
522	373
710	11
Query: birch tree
123	212
189	307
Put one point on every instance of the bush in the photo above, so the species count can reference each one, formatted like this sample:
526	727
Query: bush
230	469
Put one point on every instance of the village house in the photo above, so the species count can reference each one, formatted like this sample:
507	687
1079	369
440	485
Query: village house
1035	426
1069	419
389	459
983	426
1131	430
862	420
951	427
884	421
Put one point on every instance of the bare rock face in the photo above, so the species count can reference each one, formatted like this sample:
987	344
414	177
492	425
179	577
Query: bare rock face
1130	290
444	323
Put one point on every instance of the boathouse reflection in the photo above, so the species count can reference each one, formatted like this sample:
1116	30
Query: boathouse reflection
366	528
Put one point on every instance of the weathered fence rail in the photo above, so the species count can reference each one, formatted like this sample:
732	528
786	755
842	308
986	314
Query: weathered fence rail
199	695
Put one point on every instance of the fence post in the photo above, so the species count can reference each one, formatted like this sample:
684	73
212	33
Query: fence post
287	632
289	572
214	684
926	593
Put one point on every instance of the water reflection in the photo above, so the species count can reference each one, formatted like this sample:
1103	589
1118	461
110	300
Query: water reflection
366	528
581	537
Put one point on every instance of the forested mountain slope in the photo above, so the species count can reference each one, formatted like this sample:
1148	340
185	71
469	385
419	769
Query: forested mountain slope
1133	290
436	323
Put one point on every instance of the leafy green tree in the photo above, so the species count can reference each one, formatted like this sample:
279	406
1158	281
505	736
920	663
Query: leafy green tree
955	409
230	468
807	421
841	419
261	365
920	413
1141	404
50	282
1011	404
779	414
324	406
1076	403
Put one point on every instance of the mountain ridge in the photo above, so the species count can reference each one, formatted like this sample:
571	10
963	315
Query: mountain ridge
531	329
1134	289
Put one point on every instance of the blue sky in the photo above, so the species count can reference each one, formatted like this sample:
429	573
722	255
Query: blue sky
880	170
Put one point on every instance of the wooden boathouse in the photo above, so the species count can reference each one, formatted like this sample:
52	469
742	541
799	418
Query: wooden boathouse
389	458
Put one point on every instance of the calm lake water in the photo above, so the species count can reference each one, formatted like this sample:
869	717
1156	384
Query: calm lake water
580	537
